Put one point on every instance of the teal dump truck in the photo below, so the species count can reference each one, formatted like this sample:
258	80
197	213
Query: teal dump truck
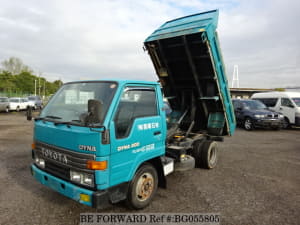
104	141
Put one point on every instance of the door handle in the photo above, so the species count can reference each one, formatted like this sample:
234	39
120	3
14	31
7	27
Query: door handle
157	133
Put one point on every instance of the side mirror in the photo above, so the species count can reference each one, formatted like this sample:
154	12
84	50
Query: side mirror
29	113
94	111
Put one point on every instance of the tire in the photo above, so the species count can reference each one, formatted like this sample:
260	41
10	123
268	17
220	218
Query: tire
196	153
7	109
18	109
286	123
143	187
248	124
206	154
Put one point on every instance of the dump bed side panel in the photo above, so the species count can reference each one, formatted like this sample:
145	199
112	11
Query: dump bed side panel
219	68
187	59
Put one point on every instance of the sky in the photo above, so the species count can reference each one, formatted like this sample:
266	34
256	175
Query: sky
103	39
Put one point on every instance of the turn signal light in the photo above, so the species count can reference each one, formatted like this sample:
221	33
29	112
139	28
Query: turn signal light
85	198
96	165
33	146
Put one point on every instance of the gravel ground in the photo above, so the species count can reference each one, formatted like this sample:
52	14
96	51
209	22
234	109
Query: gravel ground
256	181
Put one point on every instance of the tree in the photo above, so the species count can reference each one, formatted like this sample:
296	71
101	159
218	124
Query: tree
6	81
15	66
25	82
15	77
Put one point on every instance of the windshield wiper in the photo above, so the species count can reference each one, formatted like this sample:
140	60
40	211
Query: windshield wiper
43	118
76	121
63	122
53	117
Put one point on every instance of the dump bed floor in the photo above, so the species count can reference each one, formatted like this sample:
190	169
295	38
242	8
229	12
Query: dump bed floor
188	62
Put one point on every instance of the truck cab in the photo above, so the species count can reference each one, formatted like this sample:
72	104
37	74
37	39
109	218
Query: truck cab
105	141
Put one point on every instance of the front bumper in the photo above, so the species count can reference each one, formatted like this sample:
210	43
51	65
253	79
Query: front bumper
96	199
273	123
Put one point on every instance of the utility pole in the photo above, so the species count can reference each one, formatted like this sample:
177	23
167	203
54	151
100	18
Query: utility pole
235	77
35	87
44	88
39	84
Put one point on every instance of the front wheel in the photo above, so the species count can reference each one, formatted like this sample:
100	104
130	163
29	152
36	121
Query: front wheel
143	187
248	124
286	123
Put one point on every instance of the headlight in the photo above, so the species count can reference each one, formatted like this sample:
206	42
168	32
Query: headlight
75	176
259	116
40	162
82	178
280	116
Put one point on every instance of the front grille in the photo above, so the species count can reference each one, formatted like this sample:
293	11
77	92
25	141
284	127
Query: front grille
57	170
272	116
59	161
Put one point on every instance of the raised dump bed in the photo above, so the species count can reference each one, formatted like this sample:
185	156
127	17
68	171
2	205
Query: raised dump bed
187	58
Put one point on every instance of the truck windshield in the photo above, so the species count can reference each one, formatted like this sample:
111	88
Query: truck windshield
70	103
254	105
297	101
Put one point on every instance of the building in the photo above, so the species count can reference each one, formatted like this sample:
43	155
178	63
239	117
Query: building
246	92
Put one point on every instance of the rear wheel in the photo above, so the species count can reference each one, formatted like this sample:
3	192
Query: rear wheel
143	187
196	153
205	154
248	124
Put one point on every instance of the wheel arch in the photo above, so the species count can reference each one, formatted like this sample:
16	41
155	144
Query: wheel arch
157	164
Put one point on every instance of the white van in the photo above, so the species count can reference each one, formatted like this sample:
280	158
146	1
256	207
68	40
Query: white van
17	104
287	103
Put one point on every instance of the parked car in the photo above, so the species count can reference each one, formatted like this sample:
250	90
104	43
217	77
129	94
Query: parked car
17	104
4	104
287	103
36	102
252	113
28	103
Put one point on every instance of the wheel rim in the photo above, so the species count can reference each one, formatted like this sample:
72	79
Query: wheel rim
248	124
145	186
213	156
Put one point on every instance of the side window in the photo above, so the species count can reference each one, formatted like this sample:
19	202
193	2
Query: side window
286	102
269	102
135	102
